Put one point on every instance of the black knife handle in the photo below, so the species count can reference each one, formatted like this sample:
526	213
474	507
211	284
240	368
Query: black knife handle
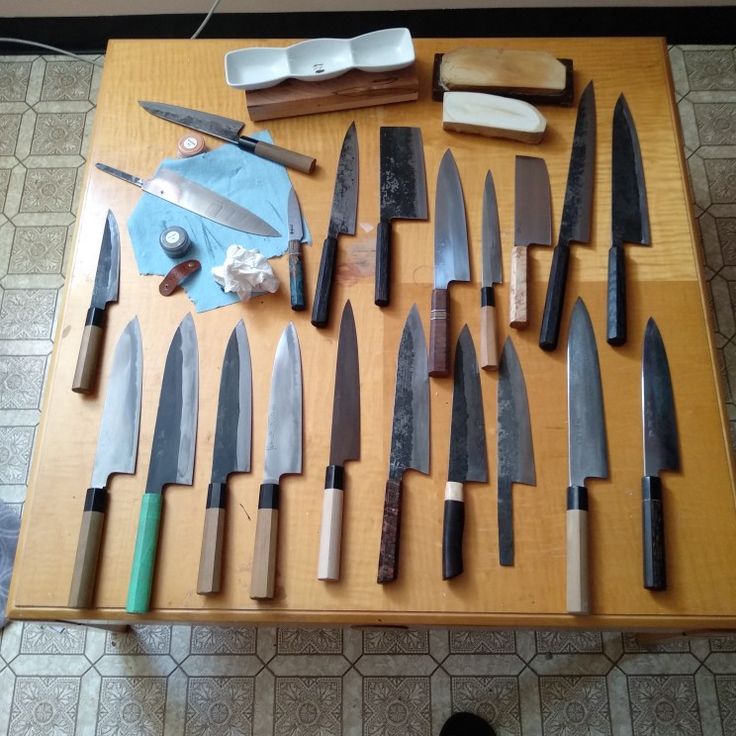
296	276
263	570
578	595
210	560
388	559
505	514
655	576
88	549
278	155
321	305
555	298
453	524
85	373
383	263
616	332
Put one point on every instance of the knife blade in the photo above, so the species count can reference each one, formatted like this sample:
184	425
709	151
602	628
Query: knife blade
403	195
342	220
409	436
661	451
231	453
468	460
629	214
450	260
117	451
105	290
344	445
191	196
283	454
172	455
515	448
228	130
588	456
532	226
576	219
296	265
492	273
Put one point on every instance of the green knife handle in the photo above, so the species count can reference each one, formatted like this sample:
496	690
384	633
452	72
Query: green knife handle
505	513
278	155
453	524
88	548
330	537
439	333
388	559
555	299
144	556
210	559
383	263
577	550
263	572
85	373
296	276
616	333
655	576
321	306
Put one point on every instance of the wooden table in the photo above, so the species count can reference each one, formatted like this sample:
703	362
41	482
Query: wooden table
665	281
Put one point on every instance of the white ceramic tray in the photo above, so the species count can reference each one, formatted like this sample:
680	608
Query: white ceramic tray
319	58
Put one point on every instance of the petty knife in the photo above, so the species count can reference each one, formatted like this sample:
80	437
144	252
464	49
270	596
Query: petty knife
296	264
491	273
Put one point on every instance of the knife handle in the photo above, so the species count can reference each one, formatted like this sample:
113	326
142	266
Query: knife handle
505	512
555	298
518	298
655	575
388	559
383	263
296	275
263	574
278	155
85	374
330	537
616	332
453	523
210	559
321	306
88	548
488	342
577	550
439	333
144	556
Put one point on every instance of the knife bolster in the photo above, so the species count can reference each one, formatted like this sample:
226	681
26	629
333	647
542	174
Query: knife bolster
95	317
335	477
577	498
268	496
96	500
217	496
487	298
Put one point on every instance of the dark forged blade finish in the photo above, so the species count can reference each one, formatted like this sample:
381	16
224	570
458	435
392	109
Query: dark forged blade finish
409	436
661	452
296	265
629	215
492	274
577	212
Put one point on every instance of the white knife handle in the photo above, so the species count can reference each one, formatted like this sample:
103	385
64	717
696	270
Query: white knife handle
330	537
577	550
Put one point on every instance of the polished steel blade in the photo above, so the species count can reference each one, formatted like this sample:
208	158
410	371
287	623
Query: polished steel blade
345	196
205	122
491	236
107	278
403	178
294	214
532	202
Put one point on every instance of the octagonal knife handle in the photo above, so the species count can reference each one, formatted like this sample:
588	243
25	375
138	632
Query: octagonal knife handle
263	573
383	263
453	524
555	299
578	600
321	305
144	556
655	573
88	549
439	333
296	276
330	537
279	155
388	558
616	327
85	373
505	514
488	339
209	578
518	295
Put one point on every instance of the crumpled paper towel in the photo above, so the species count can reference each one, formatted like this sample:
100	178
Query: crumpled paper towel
245	272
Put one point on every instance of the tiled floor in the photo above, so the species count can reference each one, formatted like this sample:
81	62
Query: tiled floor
303	682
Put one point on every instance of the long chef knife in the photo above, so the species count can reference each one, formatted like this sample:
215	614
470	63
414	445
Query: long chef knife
492	274
283	454
117	450
231	454
576	216
172	455
296	265
105	290
228	130
409	436
189	195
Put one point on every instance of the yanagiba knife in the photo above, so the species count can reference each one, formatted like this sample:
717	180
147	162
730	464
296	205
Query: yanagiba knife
105	290
492	274
344	445
231	453
409	437
661	451
172	455
117	451
296	264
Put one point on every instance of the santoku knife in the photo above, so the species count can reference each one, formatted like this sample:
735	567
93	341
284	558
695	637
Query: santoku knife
296	264
492	274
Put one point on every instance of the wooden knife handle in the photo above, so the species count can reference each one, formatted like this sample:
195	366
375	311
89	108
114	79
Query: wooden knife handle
388	559
488	340
655	573
453	524
616	327
518	298
555	298
383	263
144	556
209	579
439	333
88	549
505	513
321	305
296	276
292	159
85	374
263	574
577	550
330	537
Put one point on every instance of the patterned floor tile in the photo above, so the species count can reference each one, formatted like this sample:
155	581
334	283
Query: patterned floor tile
569	642
48	190
27	313
58	133
662	705
726	689
309	706
66	80
38	249
140	639
395	641
21	381
131	705
219	706
44	706
711	69
293	640
396	706
52	639
495	699
223	640
482	641
575	705
14	76
16	445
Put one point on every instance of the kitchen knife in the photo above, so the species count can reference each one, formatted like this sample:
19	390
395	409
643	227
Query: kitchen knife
296	265
105	290
661	451
450	260
403	195
342	220
515	449
172	456
231	453
344	445
283	454
409	436
532	226
117	450
468	457
629	214
187	194
229	130
492	274
576	216
588	456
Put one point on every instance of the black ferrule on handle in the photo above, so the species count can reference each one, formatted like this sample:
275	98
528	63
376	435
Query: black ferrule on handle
321	305
577	498
247	144
655	575
95	317
555	299
268	496
335	477
217	495
487	297
616	317
383	263
453	524
96	500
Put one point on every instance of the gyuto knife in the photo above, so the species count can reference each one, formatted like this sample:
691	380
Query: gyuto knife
588	455
468	456
492	274
228	130
450	260
344	445
661	451
576	216
283	454
296	264
403	195
117	451
409	436
629	215
172	455
231	453
105	290
342	220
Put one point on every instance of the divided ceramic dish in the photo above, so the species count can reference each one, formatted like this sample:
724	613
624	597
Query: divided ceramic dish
319	58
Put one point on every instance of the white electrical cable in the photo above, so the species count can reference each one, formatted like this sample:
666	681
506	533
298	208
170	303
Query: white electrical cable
206	20
51	48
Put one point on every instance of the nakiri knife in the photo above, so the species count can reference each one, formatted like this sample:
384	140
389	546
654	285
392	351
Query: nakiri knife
228	130
629	215
231	453
342	221
576	218
189	195
409	437
450	260
492	273
588	454
117	451
296	264
105	290
468	461
172	456
661	451
283	454
344	445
